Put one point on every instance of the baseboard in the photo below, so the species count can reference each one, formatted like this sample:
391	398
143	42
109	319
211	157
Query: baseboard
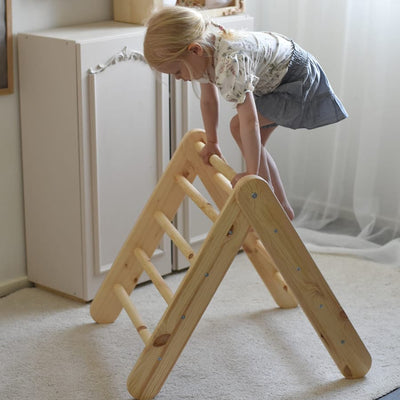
12	285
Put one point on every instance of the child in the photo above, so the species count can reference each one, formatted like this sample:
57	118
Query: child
271	80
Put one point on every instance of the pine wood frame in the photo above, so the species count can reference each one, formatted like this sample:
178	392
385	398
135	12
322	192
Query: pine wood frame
9	44
251	217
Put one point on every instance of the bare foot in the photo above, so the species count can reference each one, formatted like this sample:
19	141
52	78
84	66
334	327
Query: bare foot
289	210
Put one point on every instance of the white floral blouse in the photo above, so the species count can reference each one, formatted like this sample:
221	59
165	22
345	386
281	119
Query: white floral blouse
249	62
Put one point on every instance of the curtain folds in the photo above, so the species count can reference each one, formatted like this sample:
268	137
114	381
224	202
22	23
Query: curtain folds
344	179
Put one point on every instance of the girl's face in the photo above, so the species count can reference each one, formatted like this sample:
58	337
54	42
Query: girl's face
179	69
191	67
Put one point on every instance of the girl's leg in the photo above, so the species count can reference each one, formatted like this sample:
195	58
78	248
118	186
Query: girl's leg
268	169
274	173
263	169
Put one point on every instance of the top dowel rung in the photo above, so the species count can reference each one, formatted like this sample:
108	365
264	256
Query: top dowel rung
218	163
197	197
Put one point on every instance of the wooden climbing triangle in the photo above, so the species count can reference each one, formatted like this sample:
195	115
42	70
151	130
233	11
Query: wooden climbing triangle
251	217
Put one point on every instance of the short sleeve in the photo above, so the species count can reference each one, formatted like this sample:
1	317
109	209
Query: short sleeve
234	77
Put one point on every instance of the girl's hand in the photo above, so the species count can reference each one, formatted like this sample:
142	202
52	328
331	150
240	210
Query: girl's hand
236	178
208	150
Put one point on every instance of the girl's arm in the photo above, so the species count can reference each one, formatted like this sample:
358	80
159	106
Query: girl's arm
209	103
250	136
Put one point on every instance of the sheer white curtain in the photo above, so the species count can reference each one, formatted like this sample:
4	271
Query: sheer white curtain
344	179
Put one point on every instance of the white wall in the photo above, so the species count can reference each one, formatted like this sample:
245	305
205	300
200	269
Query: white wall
28	15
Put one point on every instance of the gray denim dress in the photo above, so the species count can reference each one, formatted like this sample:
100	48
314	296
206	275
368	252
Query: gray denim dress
289	86
304	98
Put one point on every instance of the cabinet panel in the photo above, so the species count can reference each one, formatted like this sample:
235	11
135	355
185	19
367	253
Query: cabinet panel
126	154
191	220
51	163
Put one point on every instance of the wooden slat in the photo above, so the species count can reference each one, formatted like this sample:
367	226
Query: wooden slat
197	198
222	183
175	236
222	167
299	270
225	172
154	275
132	312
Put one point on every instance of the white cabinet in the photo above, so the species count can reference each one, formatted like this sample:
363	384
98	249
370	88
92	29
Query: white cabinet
94	146
93	149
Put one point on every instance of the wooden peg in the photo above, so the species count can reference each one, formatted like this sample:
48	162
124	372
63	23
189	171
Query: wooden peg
154	275
175	236
132	312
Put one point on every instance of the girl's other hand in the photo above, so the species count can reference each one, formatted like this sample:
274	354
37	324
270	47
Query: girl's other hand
208	150
236	178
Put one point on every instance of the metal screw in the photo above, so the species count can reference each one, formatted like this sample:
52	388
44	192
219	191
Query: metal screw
254	195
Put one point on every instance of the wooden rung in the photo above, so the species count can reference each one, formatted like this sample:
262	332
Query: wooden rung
218	163
154	275
174	234
132	312
223	183
222	167
197	198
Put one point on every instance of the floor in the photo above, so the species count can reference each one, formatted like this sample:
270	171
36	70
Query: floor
395	395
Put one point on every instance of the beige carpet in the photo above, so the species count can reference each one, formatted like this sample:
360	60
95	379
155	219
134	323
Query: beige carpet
244	348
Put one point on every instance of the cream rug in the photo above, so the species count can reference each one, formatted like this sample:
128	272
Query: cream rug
244	348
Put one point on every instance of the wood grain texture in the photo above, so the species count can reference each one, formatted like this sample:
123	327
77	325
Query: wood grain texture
154	275
216	180
190	301
299	270
132	312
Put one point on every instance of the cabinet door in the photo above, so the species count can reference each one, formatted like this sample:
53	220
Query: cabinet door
190	219
50	157
128	143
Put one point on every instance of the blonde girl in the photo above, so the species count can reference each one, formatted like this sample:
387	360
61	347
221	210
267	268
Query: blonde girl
271	80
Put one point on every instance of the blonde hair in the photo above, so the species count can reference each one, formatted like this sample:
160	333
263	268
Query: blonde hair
171	30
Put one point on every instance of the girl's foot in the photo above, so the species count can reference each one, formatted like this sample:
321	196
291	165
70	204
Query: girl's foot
288	209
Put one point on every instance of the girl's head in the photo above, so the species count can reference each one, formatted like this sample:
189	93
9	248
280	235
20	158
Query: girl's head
178	42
